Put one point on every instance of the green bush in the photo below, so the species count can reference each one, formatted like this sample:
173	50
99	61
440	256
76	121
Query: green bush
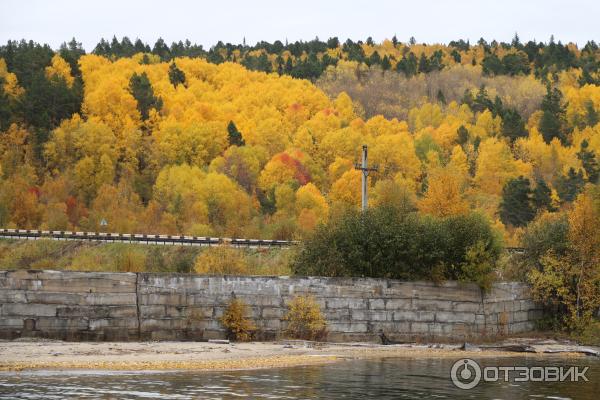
547	233
385	243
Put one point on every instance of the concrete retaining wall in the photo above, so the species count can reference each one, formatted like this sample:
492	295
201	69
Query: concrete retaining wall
129	306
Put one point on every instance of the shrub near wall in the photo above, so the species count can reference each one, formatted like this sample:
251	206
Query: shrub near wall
385	243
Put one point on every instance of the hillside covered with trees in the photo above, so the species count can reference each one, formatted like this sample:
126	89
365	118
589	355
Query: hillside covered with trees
261	141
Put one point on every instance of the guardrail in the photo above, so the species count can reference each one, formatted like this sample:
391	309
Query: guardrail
175	240
515	250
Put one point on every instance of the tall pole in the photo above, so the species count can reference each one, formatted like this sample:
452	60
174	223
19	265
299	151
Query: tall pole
365	169
365	174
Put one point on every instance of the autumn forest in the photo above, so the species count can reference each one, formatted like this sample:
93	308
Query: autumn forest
261	141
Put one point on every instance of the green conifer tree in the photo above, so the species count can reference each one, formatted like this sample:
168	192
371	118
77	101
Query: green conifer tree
515	207
141	90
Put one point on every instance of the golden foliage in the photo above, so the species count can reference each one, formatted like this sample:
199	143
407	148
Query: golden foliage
221	260
444	195
235	320
304	319
61	69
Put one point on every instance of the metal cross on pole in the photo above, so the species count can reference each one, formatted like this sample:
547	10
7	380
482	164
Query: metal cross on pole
364	167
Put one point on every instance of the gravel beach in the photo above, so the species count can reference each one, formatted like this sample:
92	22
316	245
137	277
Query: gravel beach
42	354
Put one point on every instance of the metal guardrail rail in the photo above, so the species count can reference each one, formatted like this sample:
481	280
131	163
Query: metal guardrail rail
515	250
175	240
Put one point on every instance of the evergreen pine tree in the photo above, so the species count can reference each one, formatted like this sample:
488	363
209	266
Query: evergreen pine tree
235	136
515	207
5	108
423	64
552	122
141	90
513	126
456	56
589	162
440	97
463	135
47	102
591	115
288	66
542	196
482	101
176	76
569	186
374	59
468	98
385	63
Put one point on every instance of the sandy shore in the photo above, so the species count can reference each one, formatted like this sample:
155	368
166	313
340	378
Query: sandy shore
24	355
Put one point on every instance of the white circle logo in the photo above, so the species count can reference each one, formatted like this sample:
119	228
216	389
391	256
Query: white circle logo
465	374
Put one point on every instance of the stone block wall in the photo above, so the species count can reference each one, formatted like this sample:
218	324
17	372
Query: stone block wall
130	306
68	305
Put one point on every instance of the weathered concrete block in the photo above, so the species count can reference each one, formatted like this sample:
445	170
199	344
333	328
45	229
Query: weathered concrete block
346	303
340	314
420	327
376	304
432	305
520	316
398	304
271	324
34	310
355	315
445	316
11	322
171	299
149	325
213	334
272	313
155	311
467	307
520	327
405	316
82	311
480	319
61	324
62	298
200	312
526	305
377	316
353	327
398	327
110	299
179	311
12	296
122	312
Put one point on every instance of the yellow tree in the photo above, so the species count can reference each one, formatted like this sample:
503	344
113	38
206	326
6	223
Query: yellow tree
346	190
11	84
444	196
288	167
496	165
60	68
311	208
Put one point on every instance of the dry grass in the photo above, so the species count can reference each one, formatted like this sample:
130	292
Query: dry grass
122	257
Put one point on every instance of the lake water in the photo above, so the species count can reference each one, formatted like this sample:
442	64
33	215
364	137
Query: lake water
389	378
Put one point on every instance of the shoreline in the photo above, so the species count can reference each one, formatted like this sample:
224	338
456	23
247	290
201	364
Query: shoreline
20	356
